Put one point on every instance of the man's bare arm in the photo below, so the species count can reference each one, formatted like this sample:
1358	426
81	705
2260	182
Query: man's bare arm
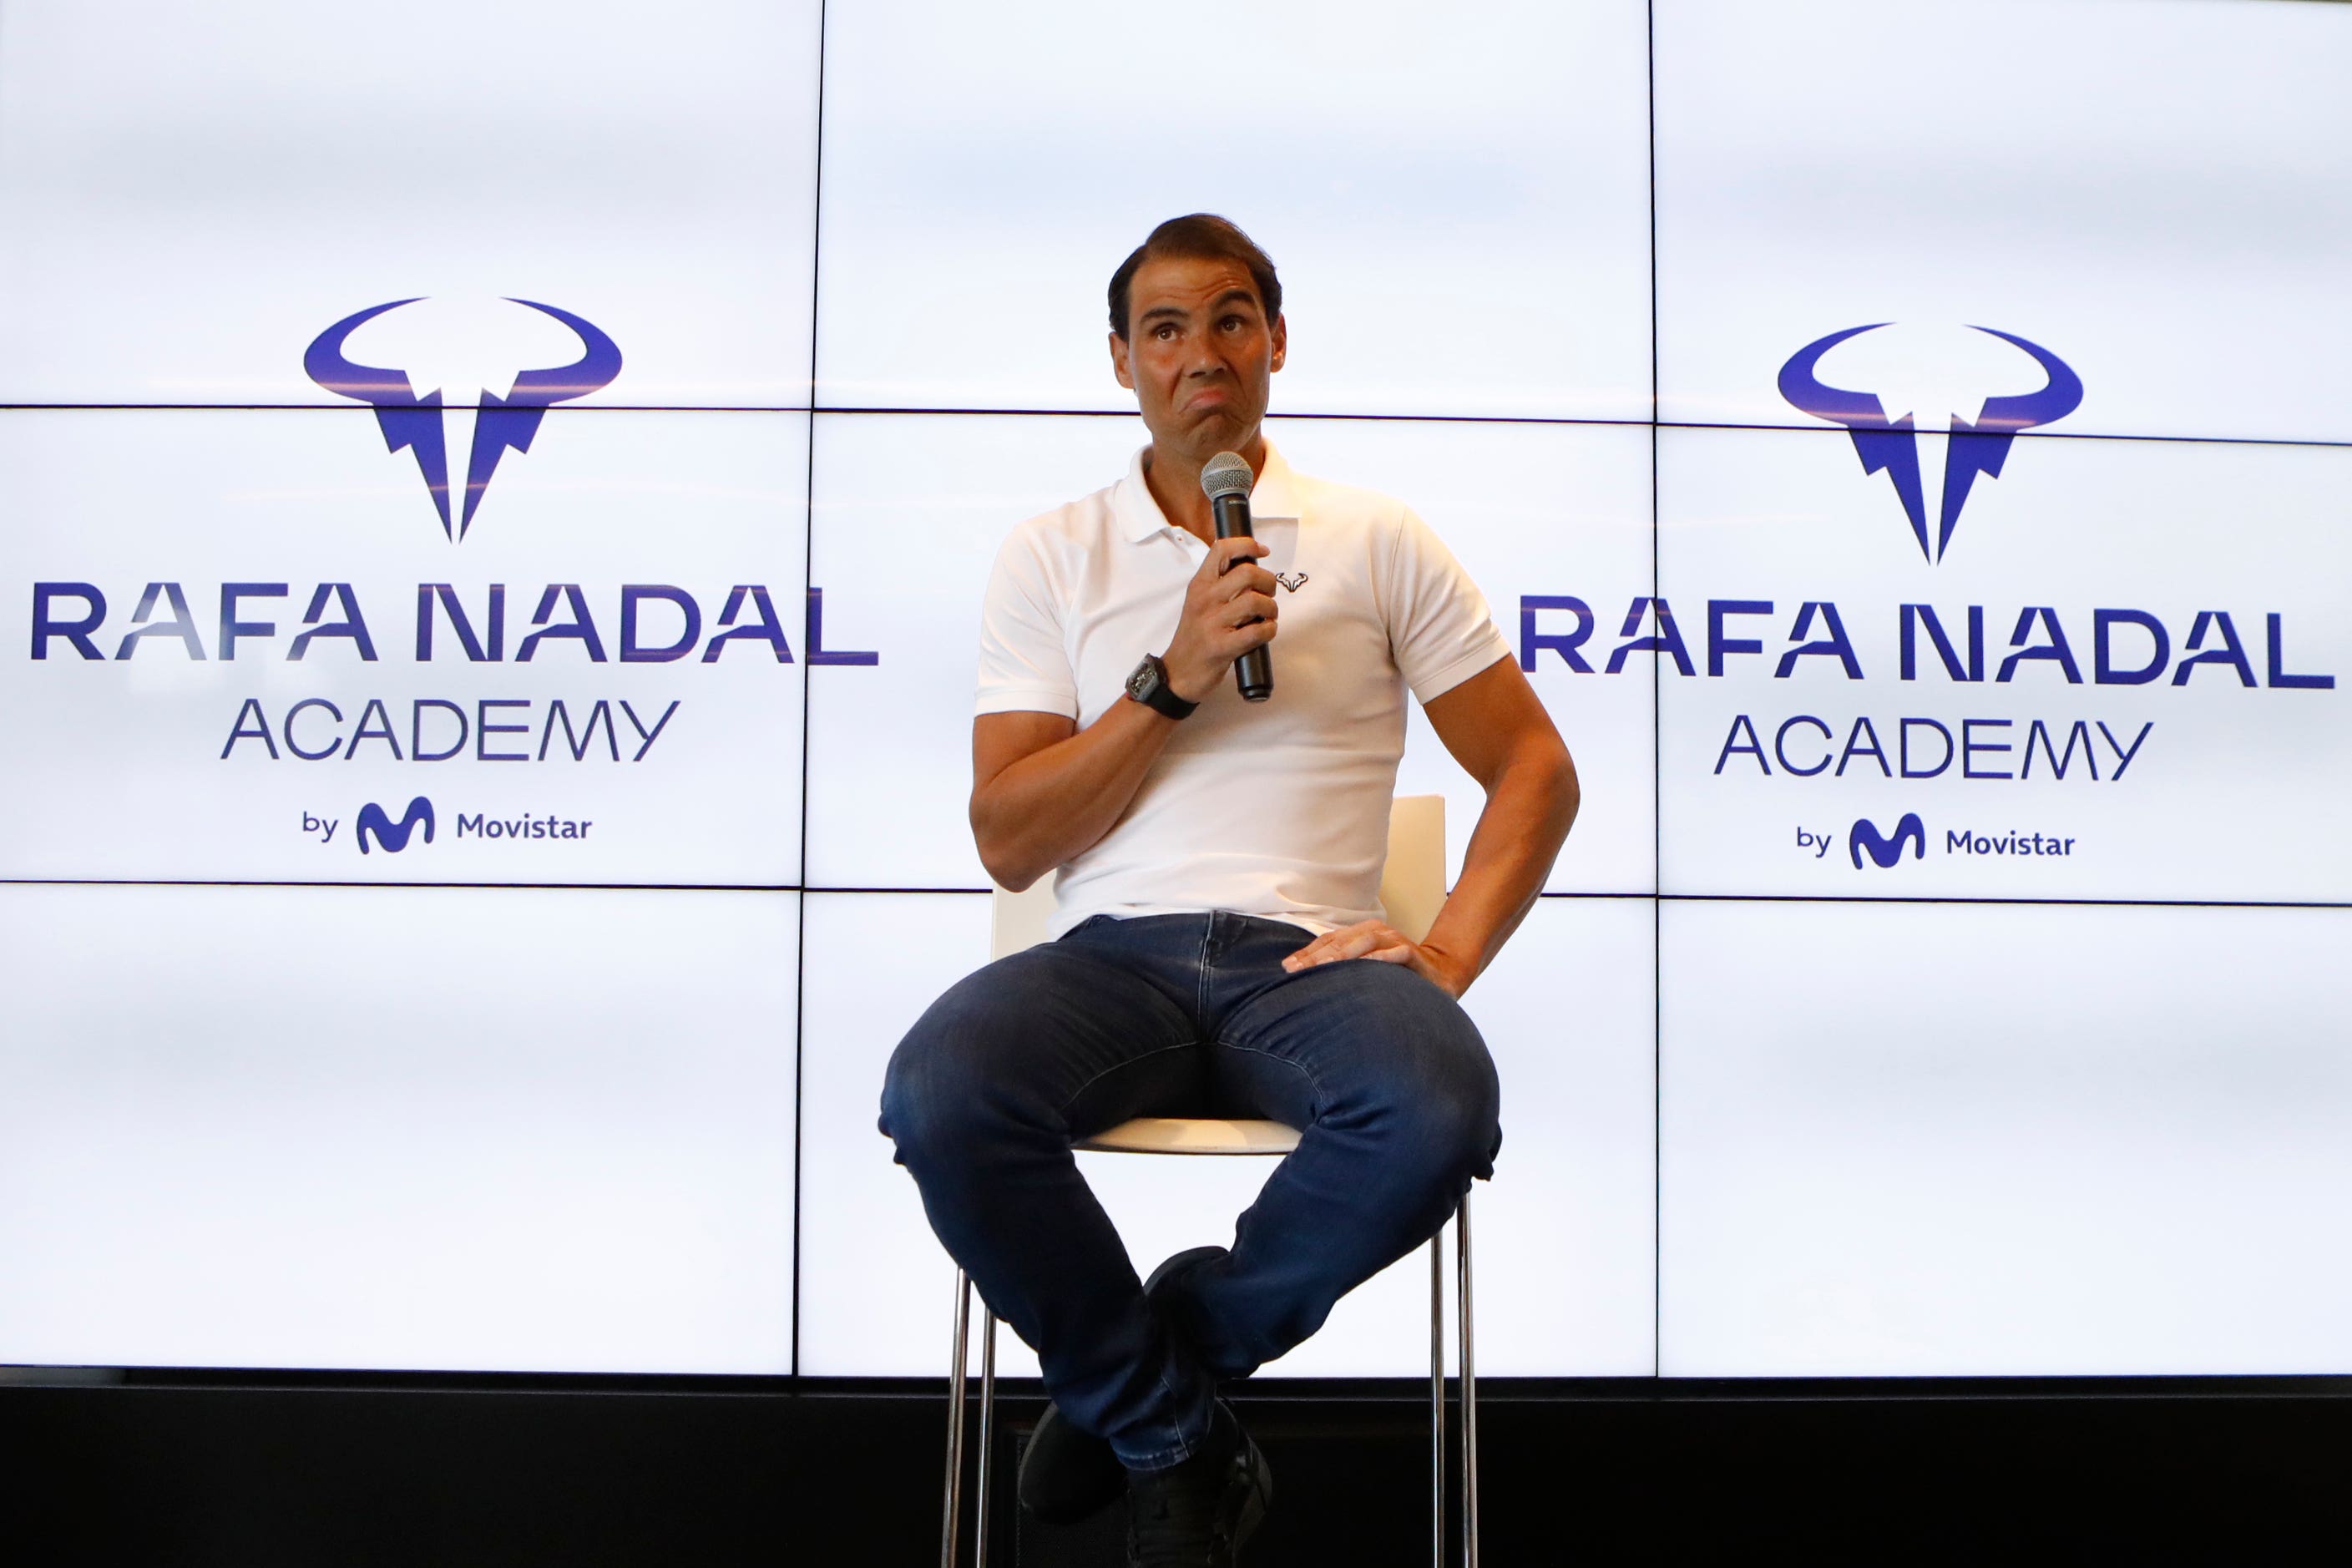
1042	790
1497	730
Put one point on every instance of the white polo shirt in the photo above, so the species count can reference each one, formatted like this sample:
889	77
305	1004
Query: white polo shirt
1277	808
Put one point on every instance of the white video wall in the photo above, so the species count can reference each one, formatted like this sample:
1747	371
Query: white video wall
493	506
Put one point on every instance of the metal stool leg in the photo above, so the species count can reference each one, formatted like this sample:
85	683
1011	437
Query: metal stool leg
1437	1399
1469	1394
987	1432
951	1508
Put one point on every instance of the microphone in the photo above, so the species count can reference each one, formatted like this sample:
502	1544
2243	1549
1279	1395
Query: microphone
1226	479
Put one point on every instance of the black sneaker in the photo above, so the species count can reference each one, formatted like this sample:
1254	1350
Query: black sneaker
1197	1514
1068	1475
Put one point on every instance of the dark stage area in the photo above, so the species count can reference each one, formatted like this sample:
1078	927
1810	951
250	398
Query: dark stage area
176	1470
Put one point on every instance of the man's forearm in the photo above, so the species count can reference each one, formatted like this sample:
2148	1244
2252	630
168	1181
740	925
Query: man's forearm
1527	814
1058	802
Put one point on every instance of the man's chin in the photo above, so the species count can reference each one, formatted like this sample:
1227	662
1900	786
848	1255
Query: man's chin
1218	431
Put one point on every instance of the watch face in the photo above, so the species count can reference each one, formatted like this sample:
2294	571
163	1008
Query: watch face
1139	684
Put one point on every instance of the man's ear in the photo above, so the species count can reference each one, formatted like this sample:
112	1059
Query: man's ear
1281	343
1120	366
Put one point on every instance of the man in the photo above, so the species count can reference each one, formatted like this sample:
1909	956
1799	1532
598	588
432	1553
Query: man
1220	949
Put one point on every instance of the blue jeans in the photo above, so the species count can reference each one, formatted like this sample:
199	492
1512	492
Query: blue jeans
1191	1015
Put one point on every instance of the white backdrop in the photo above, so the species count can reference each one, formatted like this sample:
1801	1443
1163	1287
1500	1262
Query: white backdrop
1821	1057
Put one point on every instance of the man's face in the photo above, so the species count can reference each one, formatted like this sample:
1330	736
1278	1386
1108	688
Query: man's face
1200	354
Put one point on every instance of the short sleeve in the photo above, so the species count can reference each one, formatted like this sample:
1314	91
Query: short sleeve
1440	631
1024	666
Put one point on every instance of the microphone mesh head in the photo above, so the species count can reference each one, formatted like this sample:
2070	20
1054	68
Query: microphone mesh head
1226	474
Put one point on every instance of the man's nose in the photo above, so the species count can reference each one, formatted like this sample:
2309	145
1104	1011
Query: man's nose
1202	359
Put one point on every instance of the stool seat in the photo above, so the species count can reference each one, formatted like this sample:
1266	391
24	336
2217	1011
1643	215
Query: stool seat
1191	1135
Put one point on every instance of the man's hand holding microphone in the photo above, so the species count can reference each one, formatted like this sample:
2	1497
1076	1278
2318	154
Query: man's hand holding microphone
1229	610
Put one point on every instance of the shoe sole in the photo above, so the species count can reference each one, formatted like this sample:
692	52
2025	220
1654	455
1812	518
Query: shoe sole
1178	1263
1259	1498
1081	1451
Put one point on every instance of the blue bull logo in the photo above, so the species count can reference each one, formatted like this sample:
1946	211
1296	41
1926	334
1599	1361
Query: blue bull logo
1884	849
377	823
1978	447
414	422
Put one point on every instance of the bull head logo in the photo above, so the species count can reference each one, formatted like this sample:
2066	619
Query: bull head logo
413	422
1978	447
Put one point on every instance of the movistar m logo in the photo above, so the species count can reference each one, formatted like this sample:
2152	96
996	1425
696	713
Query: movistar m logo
1884	849
413	422
1976	447
377	823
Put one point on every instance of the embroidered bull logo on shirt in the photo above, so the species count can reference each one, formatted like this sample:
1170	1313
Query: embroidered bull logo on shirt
1293	582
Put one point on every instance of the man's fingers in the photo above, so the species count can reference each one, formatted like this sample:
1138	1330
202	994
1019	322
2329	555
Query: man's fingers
1319	951
1249	607
1365	939
1226	553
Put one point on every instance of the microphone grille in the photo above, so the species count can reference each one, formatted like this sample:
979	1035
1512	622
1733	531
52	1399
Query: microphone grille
1226	474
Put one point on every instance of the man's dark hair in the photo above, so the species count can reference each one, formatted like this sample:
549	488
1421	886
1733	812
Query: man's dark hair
1197	236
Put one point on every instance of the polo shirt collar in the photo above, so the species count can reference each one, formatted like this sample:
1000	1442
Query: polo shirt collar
1275	495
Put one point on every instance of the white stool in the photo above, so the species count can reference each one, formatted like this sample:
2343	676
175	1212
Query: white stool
1412	885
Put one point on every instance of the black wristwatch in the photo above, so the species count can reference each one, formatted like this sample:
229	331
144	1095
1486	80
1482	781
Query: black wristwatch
1148	686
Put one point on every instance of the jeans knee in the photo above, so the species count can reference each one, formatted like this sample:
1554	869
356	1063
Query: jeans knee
1456	1122
1453	1111
931	1100
965	1081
